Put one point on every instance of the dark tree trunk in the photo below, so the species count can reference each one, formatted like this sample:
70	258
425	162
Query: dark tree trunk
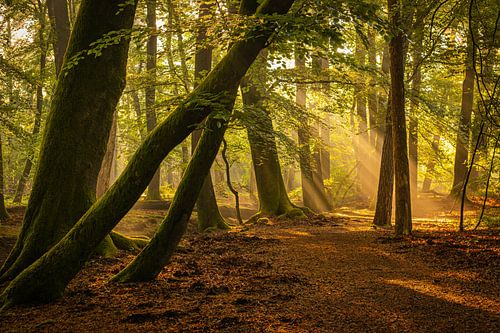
400	150
59	20
426	187
153	192
4	215
86	97
273	197
21	185
39	282
463	134
209	217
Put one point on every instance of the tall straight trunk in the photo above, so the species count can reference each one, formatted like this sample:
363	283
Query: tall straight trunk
426	186
383	210
372	92
362	138
209	217
415	98
38	111
153	192
59	20
273	197
463	134
400	150
77	127
39	282
4	215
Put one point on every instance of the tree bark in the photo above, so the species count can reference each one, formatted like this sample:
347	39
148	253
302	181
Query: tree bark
86	97
4	215
463	134
400	150
426	186
153	192
106	174
59	20
38	282
209	217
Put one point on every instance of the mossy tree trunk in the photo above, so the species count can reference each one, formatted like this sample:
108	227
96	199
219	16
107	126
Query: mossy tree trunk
153	192
273	197
148	264
78	125
399	138
47	278
209	216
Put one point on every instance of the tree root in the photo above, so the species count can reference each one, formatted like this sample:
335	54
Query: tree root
116	241
294	213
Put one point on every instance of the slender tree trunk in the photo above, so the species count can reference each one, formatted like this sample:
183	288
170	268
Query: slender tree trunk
209	217
59	20
383	210
372	92
38	111
153	192
39	282
463	134
64	186
426	186
105	177
415	98
4	215
400	150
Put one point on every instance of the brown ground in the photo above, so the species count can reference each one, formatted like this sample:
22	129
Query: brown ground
333	274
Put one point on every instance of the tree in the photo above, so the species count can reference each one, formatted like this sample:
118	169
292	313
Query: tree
400	150
153	192
78	125
39	282
4	215
209	217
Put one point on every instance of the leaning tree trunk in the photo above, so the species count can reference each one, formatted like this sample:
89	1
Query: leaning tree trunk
209	216
400	151
47	278
153	192
463	134
77	128
4	215
273	197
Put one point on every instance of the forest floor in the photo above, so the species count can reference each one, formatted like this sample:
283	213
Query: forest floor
333	273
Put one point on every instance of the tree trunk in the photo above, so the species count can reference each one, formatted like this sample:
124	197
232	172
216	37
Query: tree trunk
209	217
39	282
86	97
463	134
383	210
415	98
313	195
273	197
153	192
38	111
59	20
426	187
372	92
4	215
106	173
400	152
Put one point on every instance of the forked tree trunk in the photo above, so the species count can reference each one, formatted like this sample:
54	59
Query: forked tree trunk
47	278
85	97
153	192
463	134
400	150
209	216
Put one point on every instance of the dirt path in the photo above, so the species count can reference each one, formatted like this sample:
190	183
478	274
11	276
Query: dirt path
328	275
